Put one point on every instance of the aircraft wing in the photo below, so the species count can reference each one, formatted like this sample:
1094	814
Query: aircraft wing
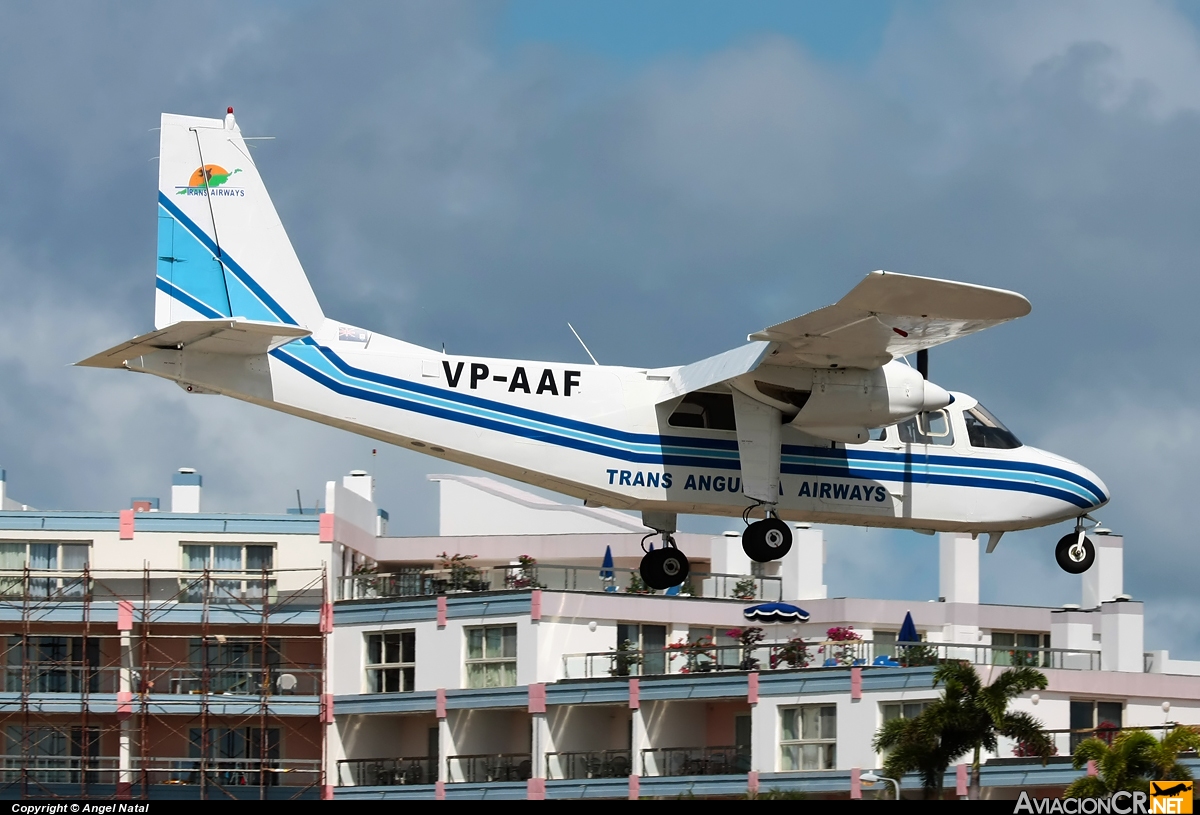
225	336
888	315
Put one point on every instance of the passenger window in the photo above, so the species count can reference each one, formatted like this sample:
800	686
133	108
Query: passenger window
878	433
713	411
985	430
927	428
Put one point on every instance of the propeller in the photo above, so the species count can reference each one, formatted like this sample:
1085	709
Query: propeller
923	363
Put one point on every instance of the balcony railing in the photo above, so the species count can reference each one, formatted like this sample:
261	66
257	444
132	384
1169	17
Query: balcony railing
387	772
692	658
169	771
426	582
589	764
485	769
252	588
676	761
234	681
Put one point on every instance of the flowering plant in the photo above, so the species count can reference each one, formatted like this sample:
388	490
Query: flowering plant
748	638
745	589
462	574
526	577
794	654
841	654
699	654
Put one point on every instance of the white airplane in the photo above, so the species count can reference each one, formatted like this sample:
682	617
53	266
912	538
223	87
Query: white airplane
814	419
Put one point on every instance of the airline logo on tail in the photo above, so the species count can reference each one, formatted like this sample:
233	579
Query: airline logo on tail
210	179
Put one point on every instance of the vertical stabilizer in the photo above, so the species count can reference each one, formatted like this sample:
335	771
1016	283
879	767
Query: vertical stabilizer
222	251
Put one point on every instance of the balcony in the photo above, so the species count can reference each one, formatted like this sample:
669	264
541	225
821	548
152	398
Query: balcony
677	761
388	772
697	658
428	582
487	769
167	771
592	764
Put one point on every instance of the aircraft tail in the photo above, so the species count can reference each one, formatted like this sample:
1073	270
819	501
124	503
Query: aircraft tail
222	251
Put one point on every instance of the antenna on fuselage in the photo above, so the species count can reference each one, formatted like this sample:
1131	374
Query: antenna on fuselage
581	342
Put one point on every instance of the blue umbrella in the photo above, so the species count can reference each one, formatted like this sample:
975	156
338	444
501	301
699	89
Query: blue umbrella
908	631
775	613
606	568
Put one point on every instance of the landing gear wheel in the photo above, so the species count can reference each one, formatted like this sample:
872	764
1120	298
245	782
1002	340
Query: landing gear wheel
1073	556
767	540
664	568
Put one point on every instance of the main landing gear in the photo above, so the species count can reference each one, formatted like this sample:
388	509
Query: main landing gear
1075	553
765	540
665	566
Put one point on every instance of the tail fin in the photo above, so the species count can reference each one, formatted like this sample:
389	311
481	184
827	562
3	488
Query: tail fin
222	251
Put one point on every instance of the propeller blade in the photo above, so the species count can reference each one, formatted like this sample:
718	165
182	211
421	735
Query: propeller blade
923	363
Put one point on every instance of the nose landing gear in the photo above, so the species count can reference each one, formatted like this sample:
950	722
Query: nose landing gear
1075	553
765	540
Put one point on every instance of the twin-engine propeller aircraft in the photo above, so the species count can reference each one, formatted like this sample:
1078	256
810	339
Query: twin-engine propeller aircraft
814	419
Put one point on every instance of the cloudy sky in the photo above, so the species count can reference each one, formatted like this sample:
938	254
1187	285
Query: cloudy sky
668	179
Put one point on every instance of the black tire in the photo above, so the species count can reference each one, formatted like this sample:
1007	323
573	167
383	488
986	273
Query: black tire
1072	558
664	568
767	540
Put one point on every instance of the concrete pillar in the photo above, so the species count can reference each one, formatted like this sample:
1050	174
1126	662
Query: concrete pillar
1074	630
185	490
1121	637
125	772
540	744
958	561
445	750
1103	582
639	741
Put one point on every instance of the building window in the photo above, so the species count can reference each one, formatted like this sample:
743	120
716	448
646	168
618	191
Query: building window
492	656
809	738
391	661
55	754
651	640
52	664
55	568
885	643
902	710
1094	719
243	567
1007	648
230	665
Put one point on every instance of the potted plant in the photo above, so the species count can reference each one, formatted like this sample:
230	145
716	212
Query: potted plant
747	638
841	644
526	575
745	589
624	659
698	655
637	585
462	575
793	654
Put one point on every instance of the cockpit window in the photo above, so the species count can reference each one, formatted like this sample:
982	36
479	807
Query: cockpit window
985	430
927	428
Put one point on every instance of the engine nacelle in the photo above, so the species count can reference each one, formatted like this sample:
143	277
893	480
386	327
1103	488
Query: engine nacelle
842	403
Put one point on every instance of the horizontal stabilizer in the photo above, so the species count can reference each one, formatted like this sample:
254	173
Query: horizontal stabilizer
236	337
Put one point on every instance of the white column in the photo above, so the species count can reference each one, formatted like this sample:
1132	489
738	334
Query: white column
640	741
803	570
540	744
1103	582
1122	637
125	686
445	748
1073	629
185	490
958	575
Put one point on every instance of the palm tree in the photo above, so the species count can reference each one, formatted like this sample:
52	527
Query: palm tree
1133	758
969	718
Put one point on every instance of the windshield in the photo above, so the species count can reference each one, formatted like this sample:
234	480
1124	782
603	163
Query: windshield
985	430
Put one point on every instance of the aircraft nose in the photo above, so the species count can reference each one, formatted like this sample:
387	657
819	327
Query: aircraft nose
1093	484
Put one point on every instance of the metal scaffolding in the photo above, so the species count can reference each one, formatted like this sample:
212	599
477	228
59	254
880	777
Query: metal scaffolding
118	673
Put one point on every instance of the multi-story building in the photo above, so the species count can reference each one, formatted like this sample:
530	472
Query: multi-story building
513	655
